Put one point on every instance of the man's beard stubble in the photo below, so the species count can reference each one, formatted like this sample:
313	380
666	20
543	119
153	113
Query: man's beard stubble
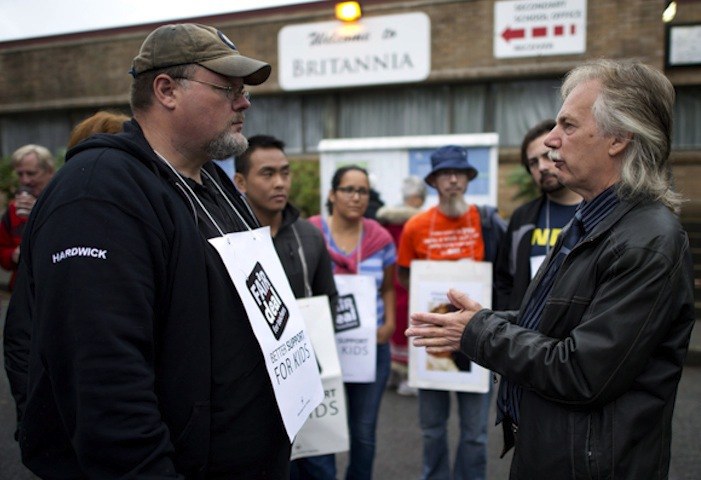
455	207
545	188
227	145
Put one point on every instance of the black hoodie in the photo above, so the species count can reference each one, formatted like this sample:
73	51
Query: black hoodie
143	362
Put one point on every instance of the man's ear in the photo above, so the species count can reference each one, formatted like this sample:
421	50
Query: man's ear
163	89
240	182
618	144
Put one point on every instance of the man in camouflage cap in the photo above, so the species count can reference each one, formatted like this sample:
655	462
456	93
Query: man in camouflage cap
142	362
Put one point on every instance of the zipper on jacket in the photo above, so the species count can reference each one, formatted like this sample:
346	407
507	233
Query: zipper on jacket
589	451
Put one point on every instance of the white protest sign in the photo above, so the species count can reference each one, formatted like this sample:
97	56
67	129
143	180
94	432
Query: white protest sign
326	429
356	327
429	285
277	323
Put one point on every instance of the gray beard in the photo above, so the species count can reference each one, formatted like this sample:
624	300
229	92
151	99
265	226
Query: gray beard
455	207
226	145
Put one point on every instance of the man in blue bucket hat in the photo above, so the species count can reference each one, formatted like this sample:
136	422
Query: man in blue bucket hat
450	157
452	230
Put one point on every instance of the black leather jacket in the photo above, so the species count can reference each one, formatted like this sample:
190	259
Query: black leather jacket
600	375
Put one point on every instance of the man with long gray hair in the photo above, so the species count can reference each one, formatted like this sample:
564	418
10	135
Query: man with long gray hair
591	363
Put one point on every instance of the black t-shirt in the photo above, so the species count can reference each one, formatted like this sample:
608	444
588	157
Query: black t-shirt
245	417
551	219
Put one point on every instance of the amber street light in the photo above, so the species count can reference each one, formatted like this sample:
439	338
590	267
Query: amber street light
348	11
669	12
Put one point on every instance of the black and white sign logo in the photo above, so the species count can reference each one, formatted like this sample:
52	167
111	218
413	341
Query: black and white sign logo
346	314
268	300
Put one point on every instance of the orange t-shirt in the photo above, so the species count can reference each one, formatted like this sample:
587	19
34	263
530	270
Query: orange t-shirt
433	236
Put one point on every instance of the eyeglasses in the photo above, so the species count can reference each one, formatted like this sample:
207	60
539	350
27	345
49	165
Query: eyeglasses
232	94
350	191
449	172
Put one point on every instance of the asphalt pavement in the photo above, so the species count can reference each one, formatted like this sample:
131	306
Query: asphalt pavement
399	437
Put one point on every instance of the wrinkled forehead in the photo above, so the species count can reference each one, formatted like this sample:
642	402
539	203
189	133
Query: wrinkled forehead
30	161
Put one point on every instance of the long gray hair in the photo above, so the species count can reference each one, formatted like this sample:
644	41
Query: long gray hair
635	100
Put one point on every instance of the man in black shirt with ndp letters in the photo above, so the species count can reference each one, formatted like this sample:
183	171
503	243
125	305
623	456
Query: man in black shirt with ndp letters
533	227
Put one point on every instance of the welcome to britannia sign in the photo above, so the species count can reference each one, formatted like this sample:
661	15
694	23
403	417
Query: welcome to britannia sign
374	50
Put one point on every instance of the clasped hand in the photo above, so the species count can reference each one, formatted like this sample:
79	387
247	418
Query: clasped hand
441	332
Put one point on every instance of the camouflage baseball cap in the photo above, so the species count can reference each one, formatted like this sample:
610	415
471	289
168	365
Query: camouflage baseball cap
190	43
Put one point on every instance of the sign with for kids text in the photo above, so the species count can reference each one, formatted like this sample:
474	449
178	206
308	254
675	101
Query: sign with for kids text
277	323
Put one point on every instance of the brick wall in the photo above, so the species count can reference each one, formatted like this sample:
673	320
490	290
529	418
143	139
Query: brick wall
81	70
90	70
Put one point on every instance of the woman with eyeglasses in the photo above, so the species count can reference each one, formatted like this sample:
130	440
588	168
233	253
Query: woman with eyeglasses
361	246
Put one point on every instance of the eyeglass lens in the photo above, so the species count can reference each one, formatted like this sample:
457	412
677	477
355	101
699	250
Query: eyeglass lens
350	191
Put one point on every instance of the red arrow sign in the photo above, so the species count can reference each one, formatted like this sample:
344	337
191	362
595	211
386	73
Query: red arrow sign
510	33
539	32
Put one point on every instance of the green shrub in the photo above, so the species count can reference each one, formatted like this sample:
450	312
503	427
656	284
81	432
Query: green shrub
8	180
304	193
525	188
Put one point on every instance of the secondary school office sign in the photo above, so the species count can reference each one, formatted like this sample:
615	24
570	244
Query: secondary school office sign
375	50
531	28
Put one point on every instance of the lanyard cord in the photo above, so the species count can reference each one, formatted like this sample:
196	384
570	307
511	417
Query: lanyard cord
226	197
547	224
199	202
305	269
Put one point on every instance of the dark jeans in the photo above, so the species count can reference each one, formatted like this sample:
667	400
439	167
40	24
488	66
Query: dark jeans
363	408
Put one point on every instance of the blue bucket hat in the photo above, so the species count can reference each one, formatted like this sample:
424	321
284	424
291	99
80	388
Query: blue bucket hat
450	157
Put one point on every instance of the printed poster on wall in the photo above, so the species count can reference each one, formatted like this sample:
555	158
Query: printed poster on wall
356	327
389	160
276	321
326	429
429	285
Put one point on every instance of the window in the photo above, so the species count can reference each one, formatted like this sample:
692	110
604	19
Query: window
520	105
468	107
387	113
687	118
280	116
